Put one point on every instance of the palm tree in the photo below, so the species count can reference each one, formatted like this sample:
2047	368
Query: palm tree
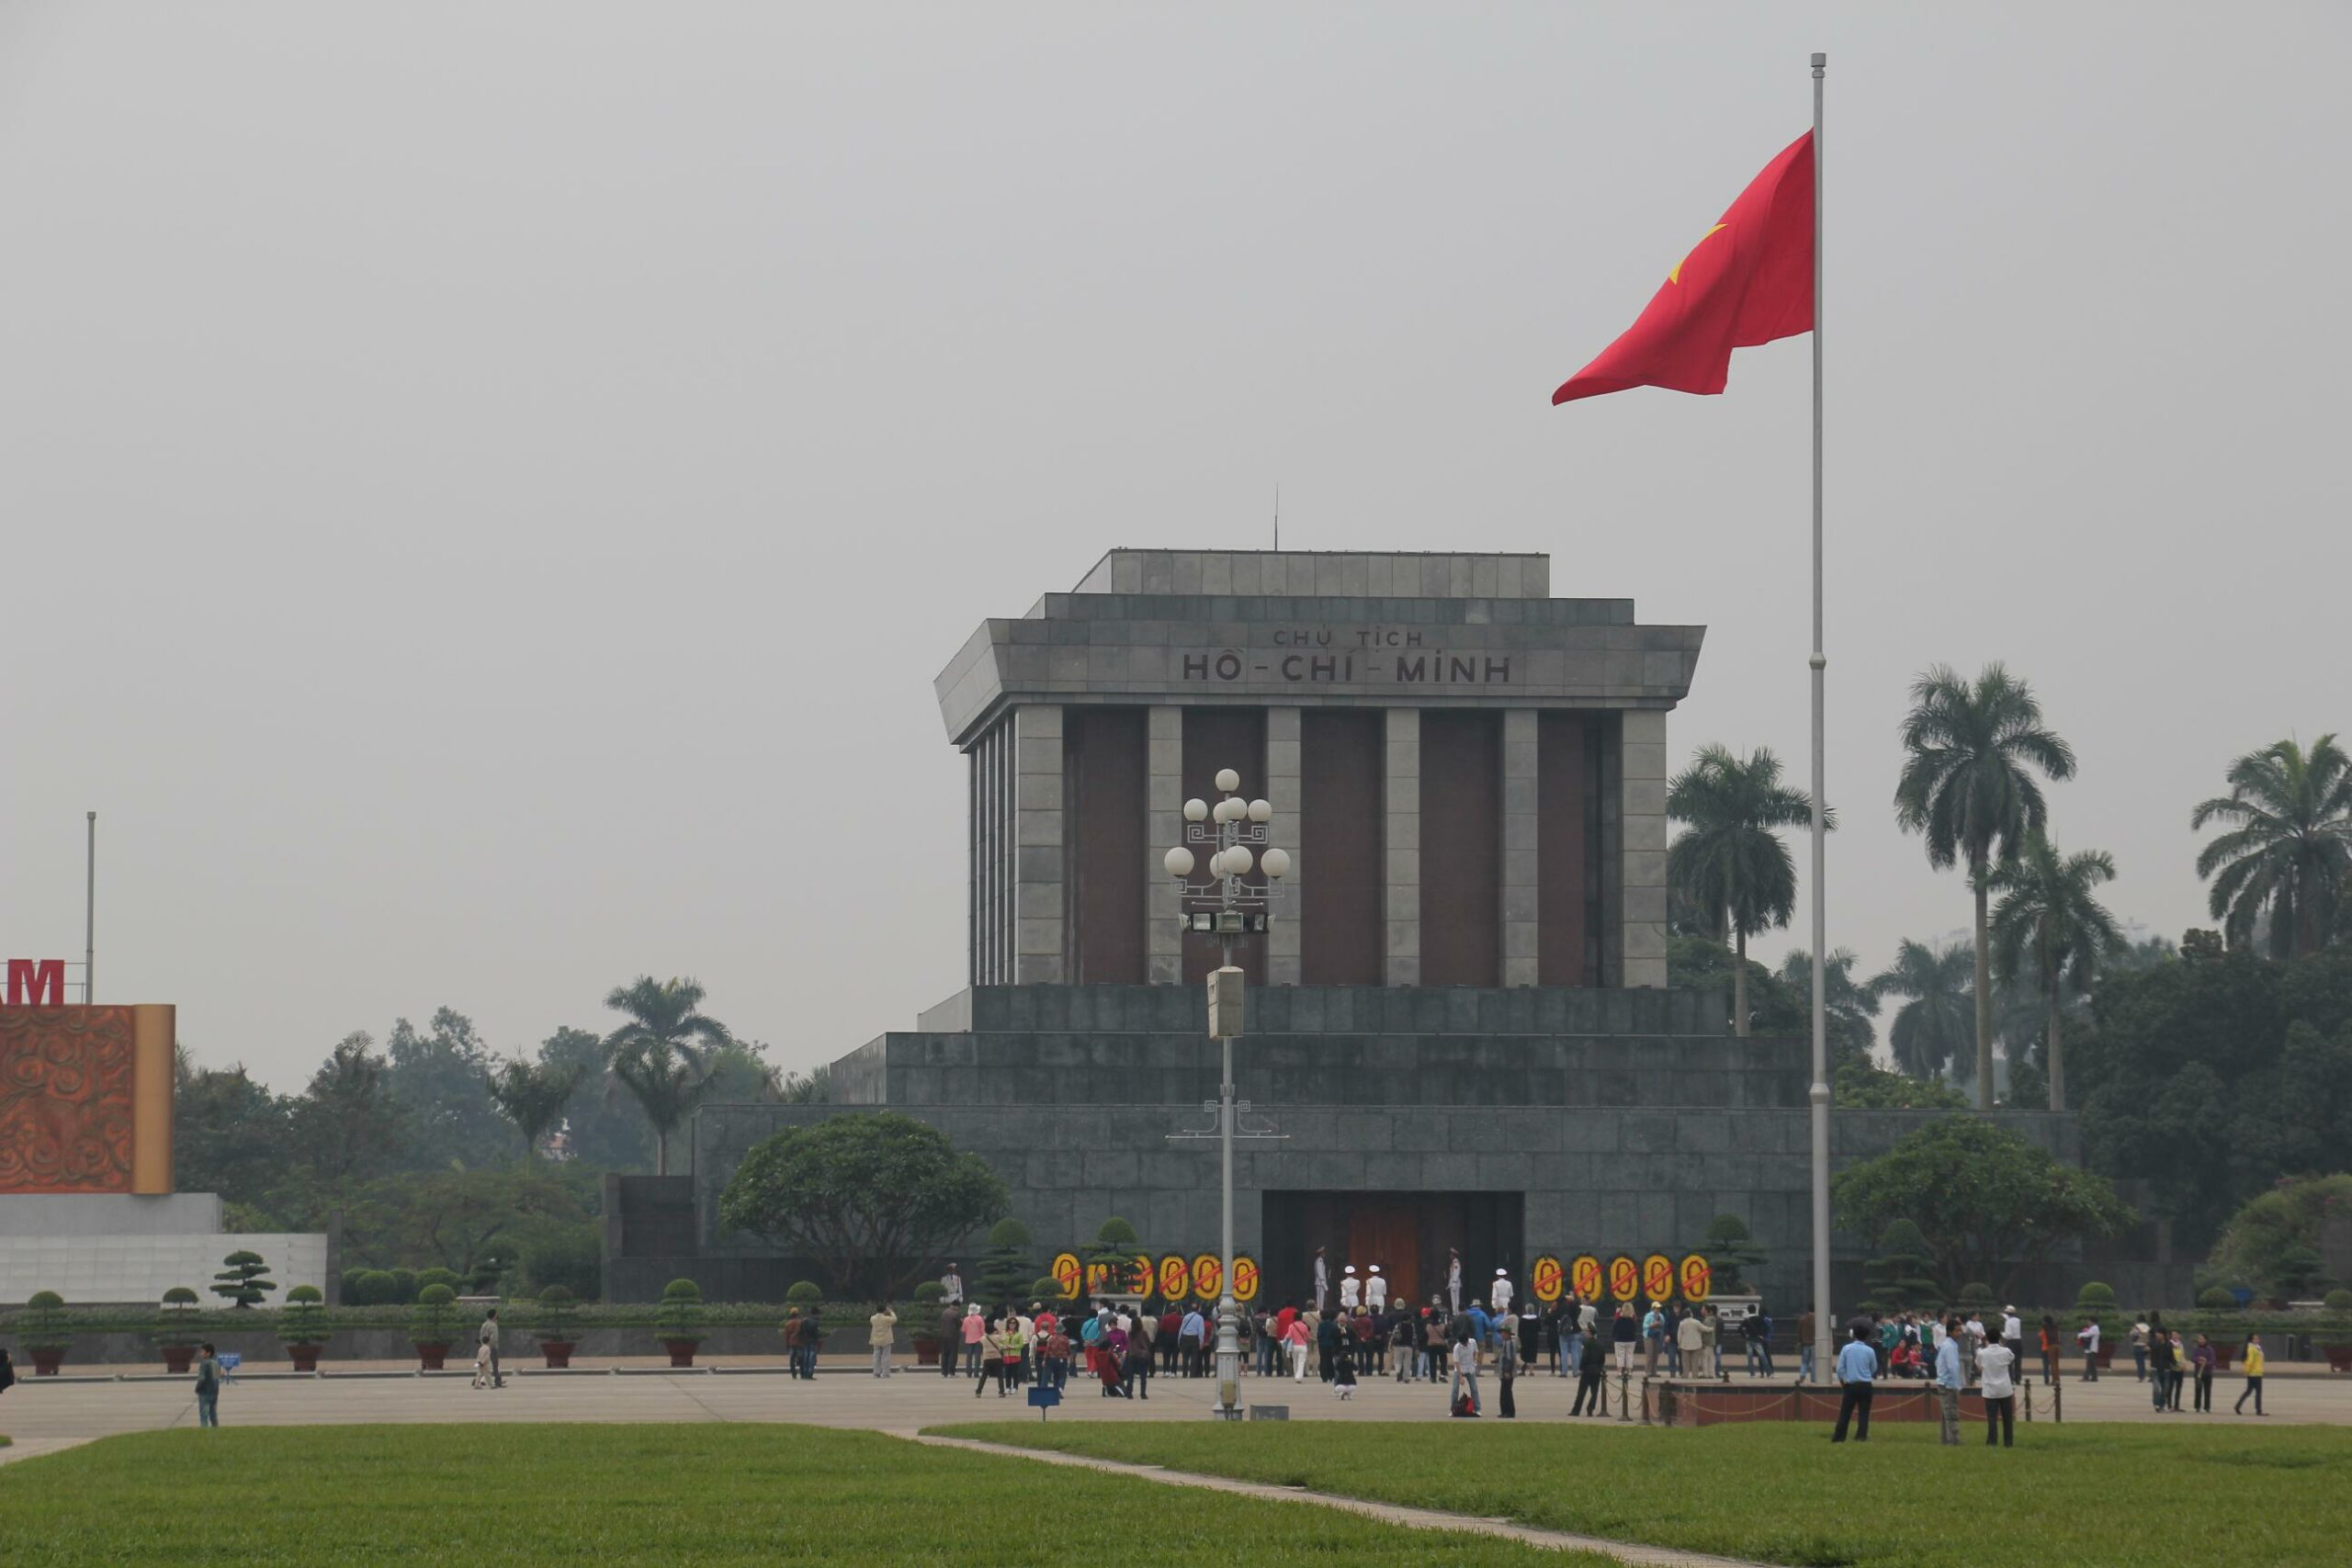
662	1055
2048	911
534	1098
1848	1005
1969	786
2289	852
1929	1031
1730	860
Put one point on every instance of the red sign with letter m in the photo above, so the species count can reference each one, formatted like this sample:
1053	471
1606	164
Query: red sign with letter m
30	980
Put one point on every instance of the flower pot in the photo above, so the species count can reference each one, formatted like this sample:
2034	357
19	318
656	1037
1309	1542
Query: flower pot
47	1361
926	1352
2339	1357
428	1356
177	1358
2222	1354
305	1357
2106	1357
557	1352
682	1351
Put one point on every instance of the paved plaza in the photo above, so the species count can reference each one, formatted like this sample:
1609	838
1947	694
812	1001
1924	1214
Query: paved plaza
752	1389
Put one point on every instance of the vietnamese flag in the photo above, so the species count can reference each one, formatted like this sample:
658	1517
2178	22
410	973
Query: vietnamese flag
1748	280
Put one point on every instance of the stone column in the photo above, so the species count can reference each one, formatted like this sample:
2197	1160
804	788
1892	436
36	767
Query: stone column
1519	884
1282	942
1401	798
1163	940
1643	829
1037	906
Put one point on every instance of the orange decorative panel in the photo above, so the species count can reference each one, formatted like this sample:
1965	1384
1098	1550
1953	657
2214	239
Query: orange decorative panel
66	1075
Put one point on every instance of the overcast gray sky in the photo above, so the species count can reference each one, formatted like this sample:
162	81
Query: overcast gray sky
486	487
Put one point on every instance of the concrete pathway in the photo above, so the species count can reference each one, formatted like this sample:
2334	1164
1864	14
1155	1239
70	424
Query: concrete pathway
33	1448
1386	1512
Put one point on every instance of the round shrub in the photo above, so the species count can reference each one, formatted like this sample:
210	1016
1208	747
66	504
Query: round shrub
44	1301
436	1295
2339	1300
404	1286
2215	1299
179	1296
1977	1296
804	1293
432	1277
2093	1297
1046	1287
682	1289
930	1291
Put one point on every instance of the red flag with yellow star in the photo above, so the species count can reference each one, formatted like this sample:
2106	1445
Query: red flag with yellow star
1748	280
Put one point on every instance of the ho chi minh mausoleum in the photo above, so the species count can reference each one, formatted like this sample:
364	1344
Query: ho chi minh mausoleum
1459	1018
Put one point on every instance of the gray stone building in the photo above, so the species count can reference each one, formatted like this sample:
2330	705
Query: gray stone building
1458	1018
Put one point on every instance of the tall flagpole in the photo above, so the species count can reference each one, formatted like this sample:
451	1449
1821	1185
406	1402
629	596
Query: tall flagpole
1822	1315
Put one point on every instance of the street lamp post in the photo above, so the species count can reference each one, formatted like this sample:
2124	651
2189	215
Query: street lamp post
1234	832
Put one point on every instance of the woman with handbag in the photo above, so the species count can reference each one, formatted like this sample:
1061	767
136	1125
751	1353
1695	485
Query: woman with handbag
2201	1359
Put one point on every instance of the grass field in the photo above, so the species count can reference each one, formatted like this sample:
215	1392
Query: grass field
2112	1493
617	1495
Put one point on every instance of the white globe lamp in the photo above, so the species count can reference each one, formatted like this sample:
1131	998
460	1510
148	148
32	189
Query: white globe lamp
1277	863
1179	861
1227	779
1262	811
1196	810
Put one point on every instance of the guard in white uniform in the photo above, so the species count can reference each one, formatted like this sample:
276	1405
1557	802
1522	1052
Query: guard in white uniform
1350	1289
951	1287
1376	1290
1453	1280
1322	1281
1500	1296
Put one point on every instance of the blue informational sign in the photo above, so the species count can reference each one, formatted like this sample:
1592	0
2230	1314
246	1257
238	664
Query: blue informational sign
1045	1399
230	1361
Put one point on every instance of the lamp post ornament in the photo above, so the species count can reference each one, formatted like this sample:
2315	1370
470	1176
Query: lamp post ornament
1234	833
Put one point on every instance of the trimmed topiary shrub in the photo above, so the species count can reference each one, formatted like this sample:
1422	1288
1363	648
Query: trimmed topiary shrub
431	1277
404	1287
42	1326
303	1319
804	1293
2338	1300
1046	1287
929	1292
2216	1299
435	1321
2093	1297
243	1278
1979	1298
556	1317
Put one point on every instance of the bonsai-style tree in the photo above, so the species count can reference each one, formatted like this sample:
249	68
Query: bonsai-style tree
1898	1278
1987	1204
680	1315
870	1197
245	1279
434	1321
804	1294
1047	1289
1108	1262
1007	1263
2096	1299
43	1329
303	1319
556	1320
1731	1251
172	1326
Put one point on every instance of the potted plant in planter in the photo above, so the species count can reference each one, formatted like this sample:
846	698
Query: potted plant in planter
2335	1331
925	1318
42	1329
433	1326
557	1326
677	1322
302	1326
175	1330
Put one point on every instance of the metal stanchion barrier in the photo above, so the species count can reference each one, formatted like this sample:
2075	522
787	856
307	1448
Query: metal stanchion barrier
1645	1401
2025	1386
1623	1380
2057	1401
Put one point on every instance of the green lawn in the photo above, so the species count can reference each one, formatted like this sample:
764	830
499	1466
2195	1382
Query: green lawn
2147	1496
618	1496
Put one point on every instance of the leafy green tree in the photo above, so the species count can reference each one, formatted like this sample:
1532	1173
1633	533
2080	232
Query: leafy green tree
1968	787
1731	857
602	1132
661	1056
1113	1250
230	1135
243	1279
875	1197
1987	1204
2049	908
467	1221
346	1126
1848	1005
1731	1250
1929	1033
1863	1085
2285	861
2255	1247
534	1097
435	1078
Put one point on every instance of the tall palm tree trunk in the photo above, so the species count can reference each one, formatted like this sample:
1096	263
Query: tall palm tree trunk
1740	987
661	1151
1984	993
2057	1055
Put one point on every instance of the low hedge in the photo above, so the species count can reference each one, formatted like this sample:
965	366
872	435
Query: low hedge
514	1313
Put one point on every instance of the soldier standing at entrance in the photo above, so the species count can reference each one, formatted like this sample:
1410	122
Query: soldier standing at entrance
1454	1280
1350	1289
1500	1296
1322	1281
1376	1290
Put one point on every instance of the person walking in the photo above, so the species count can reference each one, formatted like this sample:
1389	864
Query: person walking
2200	1360
2087	1337
1297	1341
2252	1376
1996	1376
1193	1341
1624	1333
2160	1373
1948	1386
208	1387
1326	1344
2139	1349
1592	1365
881	1333
488	1339
1507	1367
1757	1330
992	1361
2049	1348
2013	1333
1856	1365
951	1338
1572	1335
1453	1280
1111	1358
1653	1338
2180	1369
975	1329
1134	1368
1435	1349
1465	1374
1806	1324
